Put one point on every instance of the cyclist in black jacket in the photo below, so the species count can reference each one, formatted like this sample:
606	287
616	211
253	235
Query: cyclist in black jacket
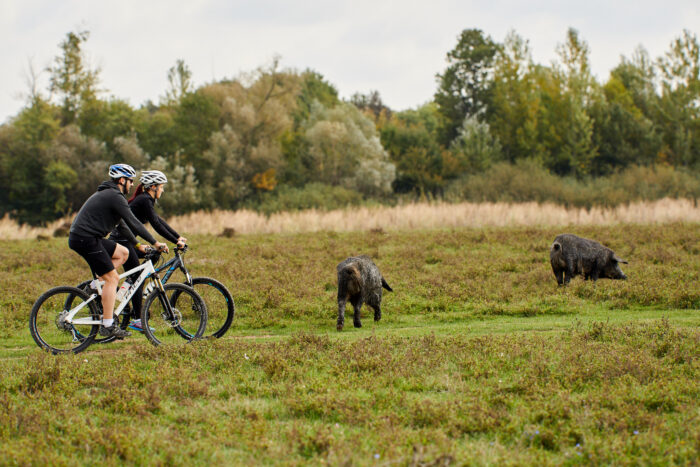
101	213
142	205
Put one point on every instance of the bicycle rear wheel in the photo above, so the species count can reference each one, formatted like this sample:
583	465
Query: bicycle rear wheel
177	314
48	326
220	306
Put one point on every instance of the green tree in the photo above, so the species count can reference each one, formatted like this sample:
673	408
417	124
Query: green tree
679	109
70	77
464	87
84	155
639	77
371	102
156	131
622	133
107	120
475	146
566	93
314	87
195	118
59	179
347	151
298	163
180	82
515	101
245	155
410	137
23	158
183	187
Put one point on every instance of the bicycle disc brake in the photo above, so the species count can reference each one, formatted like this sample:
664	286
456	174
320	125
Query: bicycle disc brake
174	320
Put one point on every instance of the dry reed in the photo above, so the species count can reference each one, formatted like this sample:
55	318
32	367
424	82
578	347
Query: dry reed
406	217
436	215
11	230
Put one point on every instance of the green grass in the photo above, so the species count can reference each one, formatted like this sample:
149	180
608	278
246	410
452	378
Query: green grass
479	358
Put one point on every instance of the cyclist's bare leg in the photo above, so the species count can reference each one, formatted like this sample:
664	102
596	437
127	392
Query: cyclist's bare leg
120	255
109	290
109	293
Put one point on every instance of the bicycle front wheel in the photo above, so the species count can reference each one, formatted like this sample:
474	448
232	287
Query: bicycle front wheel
220	307
171	316
48	321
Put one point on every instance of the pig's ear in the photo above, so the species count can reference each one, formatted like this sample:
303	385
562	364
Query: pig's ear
619	260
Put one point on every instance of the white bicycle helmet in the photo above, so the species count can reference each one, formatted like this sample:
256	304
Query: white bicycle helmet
121	170
152	177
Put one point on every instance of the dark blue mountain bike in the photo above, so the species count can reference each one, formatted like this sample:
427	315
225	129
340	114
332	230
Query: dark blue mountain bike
218	300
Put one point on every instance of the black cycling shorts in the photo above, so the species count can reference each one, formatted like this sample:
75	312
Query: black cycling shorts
96	251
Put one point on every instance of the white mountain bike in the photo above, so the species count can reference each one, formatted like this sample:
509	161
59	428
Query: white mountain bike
67	319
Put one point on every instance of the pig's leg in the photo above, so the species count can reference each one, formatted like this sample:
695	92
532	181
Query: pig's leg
560	276
341	313
377	312
356	304
569	273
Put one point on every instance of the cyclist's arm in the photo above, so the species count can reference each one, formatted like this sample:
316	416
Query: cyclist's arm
132	222
159	225
171	230
125	232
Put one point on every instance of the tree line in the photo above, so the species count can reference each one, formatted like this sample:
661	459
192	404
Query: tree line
276	138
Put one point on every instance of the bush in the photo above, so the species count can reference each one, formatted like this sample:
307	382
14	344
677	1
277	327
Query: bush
526	180
311	196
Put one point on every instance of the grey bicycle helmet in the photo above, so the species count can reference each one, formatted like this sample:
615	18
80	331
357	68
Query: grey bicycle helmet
152	177
121	170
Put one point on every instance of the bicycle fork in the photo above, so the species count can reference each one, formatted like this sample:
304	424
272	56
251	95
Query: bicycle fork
171	315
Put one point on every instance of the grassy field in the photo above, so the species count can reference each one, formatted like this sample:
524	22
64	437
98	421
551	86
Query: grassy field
479	358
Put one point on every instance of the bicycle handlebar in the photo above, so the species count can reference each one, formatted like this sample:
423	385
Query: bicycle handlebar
154	254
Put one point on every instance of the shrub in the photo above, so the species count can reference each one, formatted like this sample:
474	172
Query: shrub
527	180
311	196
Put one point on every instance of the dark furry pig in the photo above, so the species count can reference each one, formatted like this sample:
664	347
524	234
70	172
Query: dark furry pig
571	255
359	281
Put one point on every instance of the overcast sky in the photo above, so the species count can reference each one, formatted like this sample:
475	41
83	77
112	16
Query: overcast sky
394	47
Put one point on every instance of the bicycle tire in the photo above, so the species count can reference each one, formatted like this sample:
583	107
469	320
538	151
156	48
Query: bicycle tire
122	320
191	323
47	329
220	305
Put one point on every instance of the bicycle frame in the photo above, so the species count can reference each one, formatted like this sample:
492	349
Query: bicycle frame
172	265
146	269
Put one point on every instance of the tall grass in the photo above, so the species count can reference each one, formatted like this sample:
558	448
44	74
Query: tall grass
11	230
436	215
404	217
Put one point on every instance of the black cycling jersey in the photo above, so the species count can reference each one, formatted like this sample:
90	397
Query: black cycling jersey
143	207
105	210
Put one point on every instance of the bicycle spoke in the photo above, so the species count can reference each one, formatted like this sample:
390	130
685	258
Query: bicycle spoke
181	314
51	326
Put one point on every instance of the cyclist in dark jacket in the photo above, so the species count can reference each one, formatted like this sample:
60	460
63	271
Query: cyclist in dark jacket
142	205
101	213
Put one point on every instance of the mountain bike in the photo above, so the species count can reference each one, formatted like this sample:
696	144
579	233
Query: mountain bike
218	299
67	319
